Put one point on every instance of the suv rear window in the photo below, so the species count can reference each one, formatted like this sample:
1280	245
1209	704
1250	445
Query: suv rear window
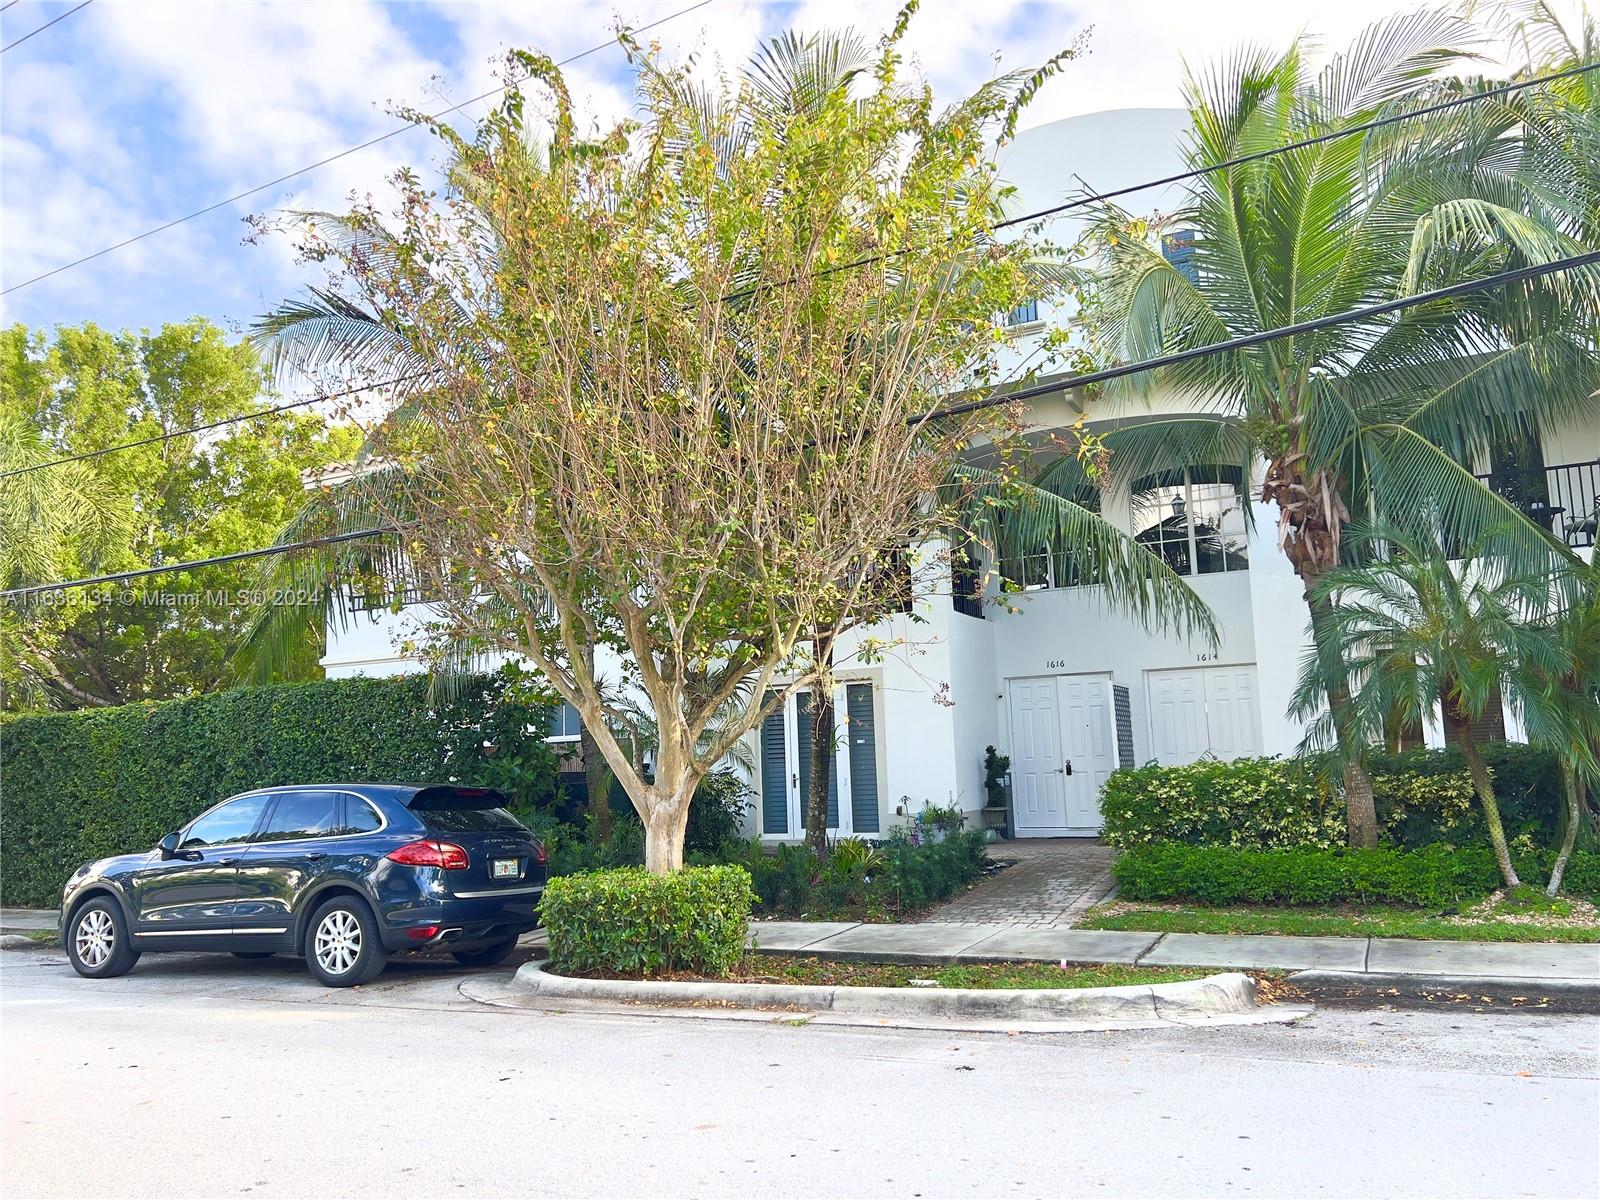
446	809
468	820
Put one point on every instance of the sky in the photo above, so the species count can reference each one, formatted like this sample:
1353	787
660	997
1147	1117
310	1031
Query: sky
129	113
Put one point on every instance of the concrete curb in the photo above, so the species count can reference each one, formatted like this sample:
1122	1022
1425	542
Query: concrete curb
1230	994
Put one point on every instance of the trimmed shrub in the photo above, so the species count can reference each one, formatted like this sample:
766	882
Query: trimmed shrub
84	785
1247	802
1435	877
1423	798
630	922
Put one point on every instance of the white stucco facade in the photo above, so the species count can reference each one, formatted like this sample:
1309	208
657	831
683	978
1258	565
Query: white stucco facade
1065	685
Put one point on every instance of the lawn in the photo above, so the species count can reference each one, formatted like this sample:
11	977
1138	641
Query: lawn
1497	919
783	968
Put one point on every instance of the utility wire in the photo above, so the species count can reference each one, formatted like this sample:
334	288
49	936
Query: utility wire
322	162
210	425
1517	275
238	556
1226	165
42	28
1057	209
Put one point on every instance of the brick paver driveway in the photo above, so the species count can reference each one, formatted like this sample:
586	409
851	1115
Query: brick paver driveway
1051	884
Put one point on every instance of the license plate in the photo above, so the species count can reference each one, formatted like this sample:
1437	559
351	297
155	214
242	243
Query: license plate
504	868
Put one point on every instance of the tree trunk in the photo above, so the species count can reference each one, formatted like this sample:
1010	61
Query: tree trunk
1361	814
597	783
821	750
666	818
596	771
1483	784
1570	821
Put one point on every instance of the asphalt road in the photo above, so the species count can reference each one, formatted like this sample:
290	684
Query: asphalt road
209	1077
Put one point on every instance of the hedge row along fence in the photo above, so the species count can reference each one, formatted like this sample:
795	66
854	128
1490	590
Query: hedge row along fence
1423	798
82	785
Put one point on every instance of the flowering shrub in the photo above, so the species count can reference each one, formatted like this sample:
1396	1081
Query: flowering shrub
1259	803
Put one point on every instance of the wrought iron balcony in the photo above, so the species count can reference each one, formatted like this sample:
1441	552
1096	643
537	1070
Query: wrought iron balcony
1564	499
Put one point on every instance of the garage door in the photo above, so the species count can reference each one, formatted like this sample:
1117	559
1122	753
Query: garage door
1203	711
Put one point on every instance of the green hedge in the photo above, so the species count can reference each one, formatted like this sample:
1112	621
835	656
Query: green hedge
630	922
1423	797
1434	877
82	785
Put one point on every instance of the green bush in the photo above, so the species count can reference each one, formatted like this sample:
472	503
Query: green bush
904	873
1422	797
1434	877
82	785
630	922
1248	802
1425	796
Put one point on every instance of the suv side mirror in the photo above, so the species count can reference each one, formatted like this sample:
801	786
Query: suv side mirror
168	846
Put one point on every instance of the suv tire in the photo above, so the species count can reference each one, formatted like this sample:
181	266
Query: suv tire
98	942
491	955
343	947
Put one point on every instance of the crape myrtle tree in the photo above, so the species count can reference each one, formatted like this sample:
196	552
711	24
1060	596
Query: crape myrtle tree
1380	417
654	419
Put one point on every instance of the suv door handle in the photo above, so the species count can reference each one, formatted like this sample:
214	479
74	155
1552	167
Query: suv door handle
227	862
316	856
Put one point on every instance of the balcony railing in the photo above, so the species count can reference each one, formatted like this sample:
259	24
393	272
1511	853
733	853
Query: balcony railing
1568	504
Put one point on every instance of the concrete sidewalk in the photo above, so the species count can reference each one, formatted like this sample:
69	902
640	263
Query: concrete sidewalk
25	920
1565	962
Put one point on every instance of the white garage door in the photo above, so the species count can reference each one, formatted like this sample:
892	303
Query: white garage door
1206	710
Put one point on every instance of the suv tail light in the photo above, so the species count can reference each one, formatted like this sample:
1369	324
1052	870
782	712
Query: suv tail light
427	853
540	854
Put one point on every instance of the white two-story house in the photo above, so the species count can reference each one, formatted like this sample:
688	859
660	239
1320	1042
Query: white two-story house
1066	686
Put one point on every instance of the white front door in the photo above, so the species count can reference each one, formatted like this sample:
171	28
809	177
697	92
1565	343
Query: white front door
1087	735
1057	720
1203	711
1038	794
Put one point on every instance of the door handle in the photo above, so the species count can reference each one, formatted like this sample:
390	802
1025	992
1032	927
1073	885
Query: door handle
227	862
316	856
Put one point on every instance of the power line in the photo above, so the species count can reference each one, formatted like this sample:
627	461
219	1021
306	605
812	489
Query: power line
239	556
43	27
1244	341
206	428
1517	275
272	183
1226	165
1053	211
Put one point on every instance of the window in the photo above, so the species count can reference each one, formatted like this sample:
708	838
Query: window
360	816
1053	567
302	815
1178	249
1026	313
1194	519
226	824
565	724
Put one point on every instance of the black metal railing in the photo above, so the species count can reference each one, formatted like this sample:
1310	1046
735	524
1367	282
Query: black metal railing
1566	501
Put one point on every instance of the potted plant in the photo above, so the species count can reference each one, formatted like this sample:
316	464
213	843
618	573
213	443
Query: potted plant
996	786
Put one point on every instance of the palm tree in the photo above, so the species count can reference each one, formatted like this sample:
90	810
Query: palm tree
1565	716
52	523
791	73
1411	629
1371	419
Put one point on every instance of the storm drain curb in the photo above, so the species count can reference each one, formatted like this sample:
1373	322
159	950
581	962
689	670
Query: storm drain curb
1230	994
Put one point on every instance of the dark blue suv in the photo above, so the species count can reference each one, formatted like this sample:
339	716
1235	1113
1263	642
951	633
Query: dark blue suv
342	874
